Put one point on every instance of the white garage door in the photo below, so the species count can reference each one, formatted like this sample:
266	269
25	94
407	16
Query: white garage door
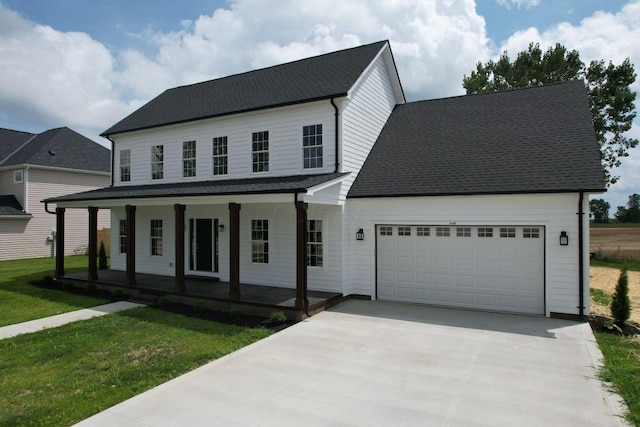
498	268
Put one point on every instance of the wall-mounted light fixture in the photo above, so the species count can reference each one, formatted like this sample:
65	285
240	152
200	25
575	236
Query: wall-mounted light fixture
360	234
564	239
221	227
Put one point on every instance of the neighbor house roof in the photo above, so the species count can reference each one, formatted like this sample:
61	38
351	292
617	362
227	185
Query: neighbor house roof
12	140
271	185
538	139
59	148
10	206
320	77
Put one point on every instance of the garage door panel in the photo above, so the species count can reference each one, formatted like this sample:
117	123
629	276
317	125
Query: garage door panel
493	273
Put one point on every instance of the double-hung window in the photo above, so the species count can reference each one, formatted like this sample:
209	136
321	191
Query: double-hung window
260	151
260	241
314	243
220	155
156	237
188	159
312	146
157	162
123	236
125	165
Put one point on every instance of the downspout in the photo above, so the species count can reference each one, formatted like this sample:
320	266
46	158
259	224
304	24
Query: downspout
25	183
306	295
580	254
337	165
112	158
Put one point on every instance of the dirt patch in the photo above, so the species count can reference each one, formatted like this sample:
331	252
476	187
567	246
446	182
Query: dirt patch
621	242
606	279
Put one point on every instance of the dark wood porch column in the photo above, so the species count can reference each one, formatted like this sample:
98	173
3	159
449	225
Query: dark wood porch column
234	250
93	243
60	242
131	245
301	255
179	210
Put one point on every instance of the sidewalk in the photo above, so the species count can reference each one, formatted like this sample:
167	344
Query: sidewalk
62	319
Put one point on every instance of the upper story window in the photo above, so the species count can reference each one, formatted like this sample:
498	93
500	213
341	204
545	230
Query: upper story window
123	236
220	155
260	151
157	162
314	243
18	176
188	159
125	165
312	146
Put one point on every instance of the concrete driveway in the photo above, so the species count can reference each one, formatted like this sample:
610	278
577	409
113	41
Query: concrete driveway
378	363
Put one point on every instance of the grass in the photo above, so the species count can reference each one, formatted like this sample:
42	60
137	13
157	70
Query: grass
622	369
600	297
20	301
615	225
614	262
63	375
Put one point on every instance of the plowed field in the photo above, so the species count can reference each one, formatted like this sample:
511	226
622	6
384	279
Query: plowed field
622	242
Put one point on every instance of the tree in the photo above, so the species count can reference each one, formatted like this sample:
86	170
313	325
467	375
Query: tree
608	88
102	257
620	303
632	212
600	210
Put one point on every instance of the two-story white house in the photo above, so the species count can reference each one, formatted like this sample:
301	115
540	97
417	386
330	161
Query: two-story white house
317	175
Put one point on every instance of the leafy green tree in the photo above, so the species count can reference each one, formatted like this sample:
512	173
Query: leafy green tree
620	303
632	212
600	210
608	87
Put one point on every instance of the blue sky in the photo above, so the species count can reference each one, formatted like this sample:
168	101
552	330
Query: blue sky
87	64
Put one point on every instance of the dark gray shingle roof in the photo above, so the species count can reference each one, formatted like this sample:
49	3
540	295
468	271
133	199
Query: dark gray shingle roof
10	141
62	148
537	139
320	77
9	205
273	185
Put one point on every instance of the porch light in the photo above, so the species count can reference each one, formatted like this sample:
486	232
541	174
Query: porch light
564	239
221	227
360	234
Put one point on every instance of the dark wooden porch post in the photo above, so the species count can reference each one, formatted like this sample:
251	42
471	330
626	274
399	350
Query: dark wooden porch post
131	245
93	243
179	210
234	250
301	254
60	242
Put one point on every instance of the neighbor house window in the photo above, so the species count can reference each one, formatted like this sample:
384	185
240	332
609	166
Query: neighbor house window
423	231
260	151
220	155
508	232
157	162
125	165
188	159
531	233
463	231
156	237
123	236
386	230
314	243
18	177
404	231
312	146
485	232
260	241
443	231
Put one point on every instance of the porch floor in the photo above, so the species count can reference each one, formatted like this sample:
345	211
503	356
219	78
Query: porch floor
150	286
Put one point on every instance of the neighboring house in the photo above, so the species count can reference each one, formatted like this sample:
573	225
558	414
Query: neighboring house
37	166
317	174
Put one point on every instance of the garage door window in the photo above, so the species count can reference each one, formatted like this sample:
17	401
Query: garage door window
463	231
485	232
423	231
508	232
386	231
404	231
443	231
531	233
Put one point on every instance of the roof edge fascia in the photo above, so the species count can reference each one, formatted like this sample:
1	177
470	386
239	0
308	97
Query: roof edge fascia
488	193
54	168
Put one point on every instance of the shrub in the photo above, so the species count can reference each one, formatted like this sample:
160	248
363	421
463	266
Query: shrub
620	304
277	317
235	313
199	308
162	301
91	287
102	257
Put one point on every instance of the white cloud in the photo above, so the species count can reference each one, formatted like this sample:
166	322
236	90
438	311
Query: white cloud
527	4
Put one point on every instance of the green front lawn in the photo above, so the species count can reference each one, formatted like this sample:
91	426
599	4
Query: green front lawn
20	301
60	376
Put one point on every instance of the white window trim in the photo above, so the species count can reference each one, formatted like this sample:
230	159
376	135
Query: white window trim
151	163
270	250
251	152
186	159
120	164
324	244
15	174
226	156
317	168
161	238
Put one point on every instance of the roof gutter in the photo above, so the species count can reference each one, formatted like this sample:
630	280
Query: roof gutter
335	107
581	254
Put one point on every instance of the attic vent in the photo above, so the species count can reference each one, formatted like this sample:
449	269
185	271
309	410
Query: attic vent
53	153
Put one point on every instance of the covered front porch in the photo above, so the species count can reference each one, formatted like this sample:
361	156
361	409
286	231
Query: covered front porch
254	299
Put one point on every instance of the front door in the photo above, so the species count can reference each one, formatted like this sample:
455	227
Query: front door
203	238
